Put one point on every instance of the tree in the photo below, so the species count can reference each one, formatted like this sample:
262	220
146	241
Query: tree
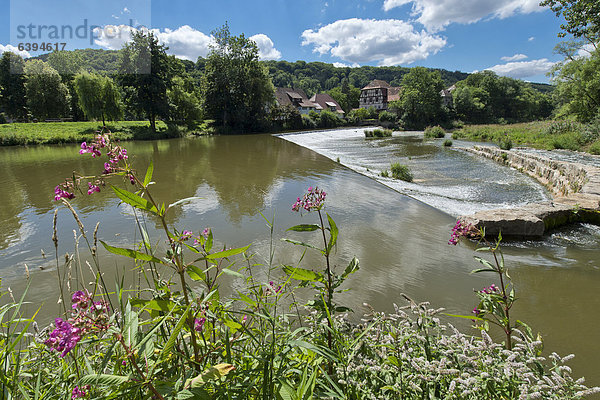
582	17
420	99
183	101
578	86
99	97
47	95
236	89
145	74
12	86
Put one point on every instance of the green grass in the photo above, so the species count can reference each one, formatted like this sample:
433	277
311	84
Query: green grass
546	135
74	132
401	172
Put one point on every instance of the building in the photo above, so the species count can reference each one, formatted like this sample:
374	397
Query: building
447	96
378	94
326	102
298	99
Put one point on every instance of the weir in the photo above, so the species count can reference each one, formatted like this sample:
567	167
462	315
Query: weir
575	188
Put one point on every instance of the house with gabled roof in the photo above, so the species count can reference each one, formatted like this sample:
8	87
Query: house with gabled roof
326	102
378	94
296	98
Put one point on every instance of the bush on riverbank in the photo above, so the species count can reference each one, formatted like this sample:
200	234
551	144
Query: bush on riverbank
75	132
547	135
191	341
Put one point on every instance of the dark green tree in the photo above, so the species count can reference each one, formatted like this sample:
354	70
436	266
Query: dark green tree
420	99
145	74
47	96
236	89
13	98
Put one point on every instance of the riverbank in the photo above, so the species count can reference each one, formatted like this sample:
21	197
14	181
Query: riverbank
19	134
547	135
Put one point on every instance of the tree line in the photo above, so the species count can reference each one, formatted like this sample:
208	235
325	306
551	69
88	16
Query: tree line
234	90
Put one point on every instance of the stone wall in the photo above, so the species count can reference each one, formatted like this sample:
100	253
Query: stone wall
573	186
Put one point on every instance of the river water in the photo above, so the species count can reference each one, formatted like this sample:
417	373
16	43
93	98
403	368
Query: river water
399	231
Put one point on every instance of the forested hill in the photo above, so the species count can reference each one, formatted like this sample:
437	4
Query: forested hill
311	76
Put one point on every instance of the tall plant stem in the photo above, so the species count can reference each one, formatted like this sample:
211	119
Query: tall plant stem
329	289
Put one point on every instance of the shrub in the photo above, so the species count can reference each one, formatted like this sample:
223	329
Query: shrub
378	132
401	172
447	143
435	132
2	118
385	173
505	143
595	148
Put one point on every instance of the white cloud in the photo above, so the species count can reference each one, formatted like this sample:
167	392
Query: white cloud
13	49
126	11
586	50
437	14
531	39
266	48
516	57
184	42
390	42
523	69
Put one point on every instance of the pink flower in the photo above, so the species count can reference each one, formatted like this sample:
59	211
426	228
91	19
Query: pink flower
59	193
461	229
199	324
313	200
92	188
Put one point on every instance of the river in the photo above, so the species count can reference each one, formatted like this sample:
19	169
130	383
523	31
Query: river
399	231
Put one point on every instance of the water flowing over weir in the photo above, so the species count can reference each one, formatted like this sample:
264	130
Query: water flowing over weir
450	180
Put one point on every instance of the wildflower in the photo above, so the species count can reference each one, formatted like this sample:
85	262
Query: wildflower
131	179
206	232
272	289
64	337
490	290
199	324
186	235
314	199
79	392
60	193
107	168
92	188
85	148
461	229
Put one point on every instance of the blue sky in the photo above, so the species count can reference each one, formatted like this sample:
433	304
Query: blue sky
512	37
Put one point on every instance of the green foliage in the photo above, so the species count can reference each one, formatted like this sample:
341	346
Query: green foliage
401	172
436	132
582	17
378	133
98	97
184	102
385	173
236	88
578	84
447	143
145	74
505	143
420	102
13	98
484	98
47	96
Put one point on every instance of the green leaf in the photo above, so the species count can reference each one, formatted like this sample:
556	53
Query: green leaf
136	255
351	268
302	274
209	241
130	328
297	243
149	172
247	299
174	333
465	317
304	228
475	271
103	379
227	253
333	230
134	200
154	304
234	326
231	272
215	372
195	273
